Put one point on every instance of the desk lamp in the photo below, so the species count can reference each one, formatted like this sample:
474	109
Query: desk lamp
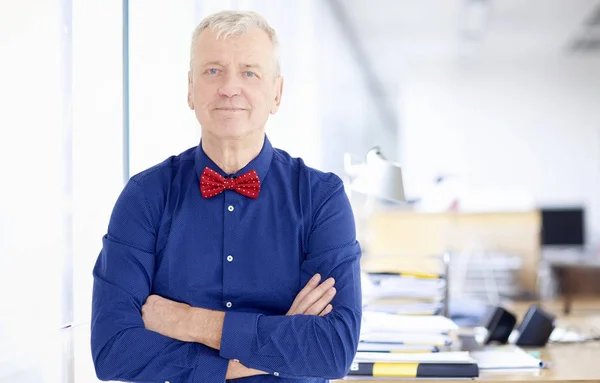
376	177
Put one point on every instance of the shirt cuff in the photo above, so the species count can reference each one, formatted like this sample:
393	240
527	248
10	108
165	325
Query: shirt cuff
210	366
239	332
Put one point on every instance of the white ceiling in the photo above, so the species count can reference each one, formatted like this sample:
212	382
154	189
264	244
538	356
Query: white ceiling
422	29
393	34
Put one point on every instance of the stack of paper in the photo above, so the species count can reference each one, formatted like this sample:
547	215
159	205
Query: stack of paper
408	285
407	338
422	330
409	346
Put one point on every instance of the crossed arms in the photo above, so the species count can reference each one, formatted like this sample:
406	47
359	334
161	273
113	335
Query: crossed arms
191	324
134	339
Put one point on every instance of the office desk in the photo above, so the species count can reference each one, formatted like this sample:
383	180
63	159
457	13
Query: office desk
565	268
568	362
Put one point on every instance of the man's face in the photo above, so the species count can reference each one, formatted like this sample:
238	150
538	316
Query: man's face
232	86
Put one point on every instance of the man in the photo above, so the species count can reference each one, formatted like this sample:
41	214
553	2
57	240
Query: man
220	263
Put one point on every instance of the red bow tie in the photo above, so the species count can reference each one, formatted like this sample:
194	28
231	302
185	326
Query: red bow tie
212	183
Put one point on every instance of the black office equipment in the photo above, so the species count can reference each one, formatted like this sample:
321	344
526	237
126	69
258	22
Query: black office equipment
535	328
499	323
563	226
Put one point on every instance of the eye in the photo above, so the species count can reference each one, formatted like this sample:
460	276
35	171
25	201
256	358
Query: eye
250	74
212	71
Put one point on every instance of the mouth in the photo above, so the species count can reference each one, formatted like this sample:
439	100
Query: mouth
229	109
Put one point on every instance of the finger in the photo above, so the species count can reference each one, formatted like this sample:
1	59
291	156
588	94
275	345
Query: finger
322	303
326	311
315	295
310	286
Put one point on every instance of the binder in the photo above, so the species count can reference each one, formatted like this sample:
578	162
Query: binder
418	308
407	339
414	370
423	357
406	273
395	348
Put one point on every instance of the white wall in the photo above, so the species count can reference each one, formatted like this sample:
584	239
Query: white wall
351	121
34	179
161	123
61	171
97	154
517	134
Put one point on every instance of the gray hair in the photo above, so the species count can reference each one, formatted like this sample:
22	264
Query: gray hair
227	23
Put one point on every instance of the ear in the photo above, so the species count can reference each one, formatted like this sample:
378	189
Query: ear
278	92
190	99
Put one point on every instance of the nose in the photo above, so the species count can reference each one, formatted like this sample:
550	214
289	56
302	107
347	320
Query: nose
230	86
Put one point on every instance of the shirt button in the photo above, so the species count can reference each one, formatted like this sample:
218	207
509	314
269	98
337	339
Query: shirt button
228	304
229	258
236	360
276	373
230	208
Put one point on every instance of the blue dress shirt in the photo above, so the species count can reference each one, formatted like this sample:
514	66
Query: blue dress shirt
246	257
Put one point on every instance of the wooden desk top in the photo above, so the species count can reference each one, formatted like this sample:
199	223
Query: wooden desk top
568	362
593	263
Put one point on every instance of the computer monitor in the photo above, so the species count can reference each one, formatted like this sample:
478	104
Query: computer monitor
563	226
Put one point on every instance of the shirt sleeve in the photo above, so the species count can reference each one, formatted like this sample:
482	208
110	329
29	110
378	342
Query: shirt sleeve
307	345
122	348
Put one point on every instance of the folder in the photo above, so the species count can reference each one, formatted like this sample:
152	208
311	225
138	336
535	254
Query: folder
414	370
420	308
424	339
407	273
439	357
395	348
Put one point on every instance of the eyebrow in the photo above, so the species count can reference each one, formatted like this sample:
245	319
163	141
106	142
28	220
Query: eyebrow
208	63
245	66
252	66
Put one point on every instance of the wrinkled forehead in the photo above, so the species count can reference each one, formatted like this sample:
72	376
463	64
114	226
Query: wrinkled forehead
250	48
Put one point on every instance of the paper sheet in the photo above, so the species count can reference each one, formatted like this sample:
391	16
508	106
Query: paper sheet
435	357
385	322
504	357
394	347
407	338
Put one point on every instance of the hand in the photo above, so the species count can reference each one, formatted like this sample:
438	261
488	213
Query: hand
167	317
236	370
314	299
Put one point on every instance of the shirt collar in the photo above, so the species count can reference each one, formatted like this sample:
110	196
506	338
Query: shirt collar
260	163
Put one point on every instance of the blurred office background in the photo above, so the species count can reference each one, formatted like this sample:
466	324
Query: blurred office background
491	107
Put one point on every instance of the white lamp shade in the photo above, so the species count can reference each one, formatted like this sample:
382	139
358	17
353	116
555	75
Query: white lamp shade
380	178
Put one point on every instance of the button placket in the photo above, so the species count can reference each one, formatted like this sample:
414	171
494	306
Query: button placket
230	221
